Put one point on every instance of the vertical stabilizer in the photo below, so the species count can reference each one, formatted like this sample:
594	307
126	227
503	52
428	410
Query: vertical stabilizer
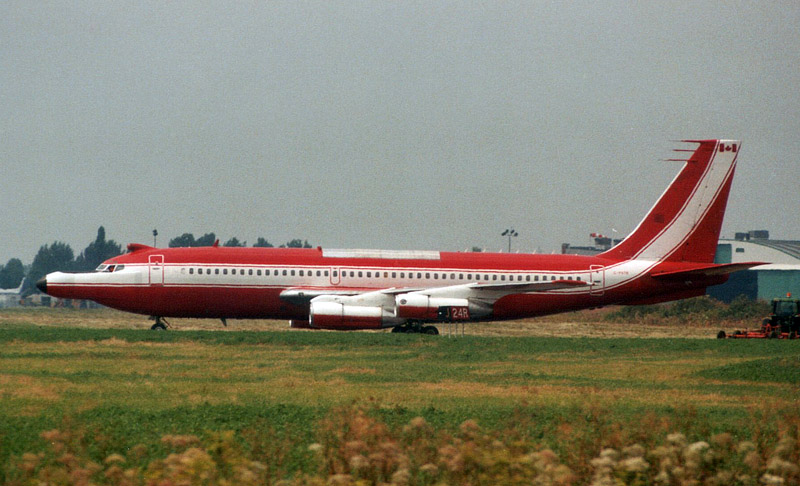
685	223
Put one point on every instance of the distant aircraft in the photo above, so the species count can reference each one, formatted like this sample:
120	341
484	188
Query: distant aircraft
668	256
15	291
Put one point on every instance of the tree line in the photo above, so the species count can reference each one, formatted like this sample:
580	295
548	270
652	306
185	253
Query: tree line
59	256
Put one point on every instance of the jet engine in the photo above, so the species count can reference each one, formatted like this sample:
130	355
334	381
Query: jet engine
424	307
365	311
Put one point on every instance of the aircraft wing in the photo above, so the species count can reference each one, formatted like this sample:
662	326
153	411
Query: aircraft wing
304	295
360	309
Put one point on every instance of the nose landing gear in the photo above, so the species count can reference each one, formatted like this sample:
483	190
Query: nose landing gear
161	324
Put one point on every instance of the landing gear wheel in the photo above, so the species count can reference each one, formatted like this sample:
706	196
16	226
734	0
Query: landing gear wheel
432	330
160	325
721	335
398	330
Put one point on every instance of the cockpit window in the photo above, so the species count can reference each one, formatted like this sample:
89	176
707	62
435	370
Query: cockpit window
109	268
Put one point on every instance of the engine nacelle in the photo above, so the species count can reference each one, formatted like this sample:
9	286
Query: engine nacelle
335	315
300	324
427	308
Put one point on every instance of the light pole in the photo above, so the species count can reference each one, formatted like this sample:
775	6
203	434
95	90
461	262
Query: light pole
509	232
155	233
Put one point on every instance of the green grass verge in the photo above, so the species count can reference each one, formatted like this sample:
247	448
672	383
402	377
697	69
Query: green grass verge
122	388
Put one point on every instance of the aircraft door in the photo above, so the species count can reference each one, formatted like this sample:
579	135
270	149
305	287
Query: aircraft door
336	277
156	269
597	279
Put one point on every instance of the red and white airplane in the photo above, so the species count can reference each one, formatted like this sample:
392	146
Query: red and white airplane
668	256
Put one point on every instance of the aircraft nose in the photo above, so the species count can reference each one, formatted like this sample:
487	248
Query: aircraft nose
42	284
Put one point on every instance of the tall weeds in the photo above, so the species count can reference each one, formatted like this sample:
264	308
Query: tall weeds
354	447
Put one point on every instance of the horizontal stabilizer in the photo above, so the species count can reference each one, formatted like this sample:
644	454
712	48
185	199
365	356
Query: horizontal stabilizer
705	271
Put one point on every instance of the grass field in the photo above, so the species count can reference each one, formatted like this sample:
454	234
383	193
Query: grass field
297	401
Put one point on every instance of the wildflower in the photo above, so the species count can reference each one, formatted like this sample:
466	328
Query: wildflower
634	450
315	447
401	477
677	439
772	480
429	469
785	447
470	428
114	459
340	480
358	462
745	446
635	465
782	467
697	447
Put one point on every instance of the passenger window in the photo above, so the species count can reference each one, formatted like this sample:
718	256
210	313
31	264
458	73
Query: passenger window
224	271
394	274
369	274
250	272
502	277
402	274
266	273
578	279
469	276
427	275
258	272
191	271
419	274
360	274
527	278
436	276
292	273
552	277
326	273
285	273
535	278
352	273
494	277
335	273
301	273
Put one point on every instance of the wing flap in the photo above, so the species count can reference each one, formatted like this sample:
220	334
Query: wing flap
520	287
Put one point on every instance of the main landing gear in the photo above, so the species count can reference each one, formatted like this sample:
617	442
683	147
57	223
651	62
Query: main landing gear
160	325
415	327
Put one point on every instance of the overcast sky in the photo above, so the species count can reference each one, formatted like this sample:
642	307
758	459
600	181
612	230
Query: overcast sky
397	125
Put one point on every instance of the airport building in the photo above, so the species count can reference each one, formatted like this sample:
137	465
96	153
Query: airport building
781	274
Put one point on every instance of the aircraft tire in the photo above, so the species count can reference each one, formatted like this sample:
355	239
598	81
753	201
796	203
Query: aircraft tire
158	326
432	330
721	335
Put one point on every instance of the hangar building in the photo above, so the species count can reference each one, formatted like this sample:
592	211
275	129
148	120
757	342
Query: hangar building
779	277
